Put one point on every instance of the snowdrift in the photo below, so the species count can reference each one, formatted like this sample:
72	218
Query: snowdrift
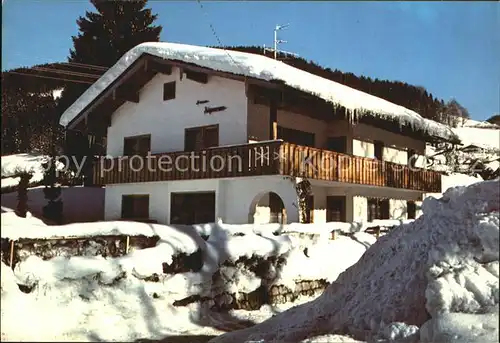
84	295
434	280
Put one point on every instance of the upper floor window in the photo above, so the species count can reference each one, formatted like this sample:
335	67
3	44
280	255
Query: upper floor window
169	91
296	136
135	206
378	209
338	144
379	149
199	138
137	145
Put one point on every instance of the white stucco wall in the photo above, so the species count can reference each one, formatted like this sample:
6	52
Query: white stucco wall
166	120
357	200
395	146
235	198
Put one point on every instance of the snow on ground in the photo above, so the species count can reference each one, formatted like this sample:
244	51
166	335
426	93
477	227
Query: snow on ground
439	273
80	204
12	165
81	298
264	68
454	180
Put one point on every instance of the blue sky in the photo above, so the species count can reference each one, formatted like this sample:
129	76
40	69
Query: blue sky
450	48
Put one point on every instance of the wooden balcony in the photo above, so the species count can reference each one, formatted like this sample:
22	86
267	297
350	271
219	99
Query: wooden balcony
265	158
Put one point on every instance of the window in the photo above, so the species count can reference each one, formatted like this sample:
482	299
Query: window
197	76
137	145
411	158
379	149
169	91
335	209
192	208
135	206
199	138
296	136
338	144
378	209
411	208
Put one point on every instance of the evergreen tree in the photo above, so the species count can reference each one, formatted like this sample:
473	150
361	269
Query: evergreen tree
104	37
52	191
28	120
495	119
22	194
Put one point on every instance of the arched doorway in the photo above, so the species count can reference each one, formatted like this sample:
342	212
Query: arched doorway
267	207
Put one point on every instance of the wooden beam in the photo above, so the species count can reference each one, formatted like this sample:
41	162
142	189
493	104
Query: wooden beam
197	76
126	75
158	67
127	93
11	257
188	66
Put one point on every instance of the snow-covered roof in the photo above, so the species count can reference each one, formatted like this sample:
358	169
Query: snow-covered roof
485	138
357	103
479	124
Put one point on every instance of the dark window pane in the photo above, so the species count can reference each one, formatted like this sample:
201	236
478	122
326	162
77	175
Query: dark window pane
411	209
379	150
169	91
338	144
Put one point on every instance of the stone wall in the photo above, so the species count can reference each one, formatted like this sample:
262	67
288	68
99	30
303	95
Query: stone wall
106	246
266	269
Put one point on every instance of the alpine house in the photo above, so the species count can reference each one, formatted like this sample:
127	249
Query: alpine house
197	135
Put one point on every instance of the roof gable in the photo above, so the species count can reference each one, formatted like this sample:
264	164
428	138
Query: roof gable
256	67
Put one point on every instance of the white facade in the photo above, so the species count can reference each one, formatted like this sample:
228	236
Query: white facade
242	200
166	120
236	199
239	200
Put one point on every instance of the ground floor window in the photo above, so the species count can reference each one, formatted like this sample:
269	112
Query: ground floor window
411	209
192	208
335	209
378	209
135	206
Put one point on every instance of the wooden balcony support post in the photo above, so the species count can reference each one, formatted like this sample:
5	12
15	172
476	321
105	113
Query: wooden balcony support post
273	119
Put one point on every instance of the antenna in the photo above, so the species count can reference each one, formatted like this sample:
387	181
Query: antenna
278	41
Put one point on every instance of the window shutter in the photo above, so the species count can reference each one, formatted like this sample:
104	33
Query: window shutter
211	137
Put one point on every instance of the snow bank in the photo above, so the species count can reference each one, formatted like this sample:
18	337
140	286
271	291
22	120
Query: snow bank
13	165
443	267
86	295
264	68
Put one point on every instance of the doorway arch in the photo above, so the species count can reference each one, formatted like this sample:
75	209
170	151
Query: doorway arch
267	207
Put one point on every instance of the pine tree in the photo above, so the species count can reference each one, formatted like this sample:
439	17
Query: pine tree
104	37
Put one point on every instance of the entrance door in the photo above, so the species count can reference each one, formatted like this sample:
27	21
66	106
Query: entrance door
335	209
192	208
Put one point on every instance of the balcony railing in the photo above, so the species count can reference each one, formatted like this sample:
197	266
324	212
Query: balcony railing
265	158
